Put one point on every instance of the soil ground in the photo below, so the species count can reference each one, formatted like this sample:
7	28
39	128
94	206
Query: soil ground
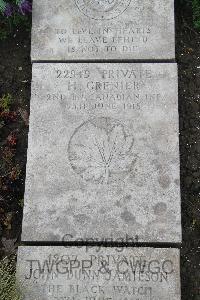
15	79
188	59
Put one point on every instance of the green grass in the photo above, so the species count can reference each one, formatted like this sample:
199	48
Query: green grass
8	287
196	13
5	102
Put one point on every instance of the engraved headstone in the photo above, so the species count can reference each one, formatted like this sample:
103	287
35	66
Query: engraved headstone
103	29
103	155
58	273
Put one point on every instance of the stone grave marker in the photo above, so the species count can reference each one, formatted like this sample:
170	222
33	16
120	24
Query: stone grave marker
49	273
103	155
67	30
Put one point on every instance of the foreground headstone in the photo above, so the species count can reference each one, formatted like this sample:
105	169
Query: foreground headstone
49	273
103	29
103	155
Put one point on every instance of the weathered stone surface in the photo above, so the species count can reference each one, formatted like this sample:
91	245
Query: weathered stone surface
93	29
49	273
103	155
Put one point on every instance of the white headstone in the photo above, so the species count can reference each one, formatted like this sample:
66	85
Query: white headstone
58	273
103	154
103	29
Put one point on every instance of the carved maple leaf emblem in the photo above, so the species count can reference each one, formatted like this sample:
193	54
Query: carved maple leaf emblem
101	151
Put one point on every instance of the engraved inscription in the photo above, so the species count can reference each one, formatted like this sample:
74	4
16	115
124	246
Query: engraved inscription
100	276
113	90
89	30
110	39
